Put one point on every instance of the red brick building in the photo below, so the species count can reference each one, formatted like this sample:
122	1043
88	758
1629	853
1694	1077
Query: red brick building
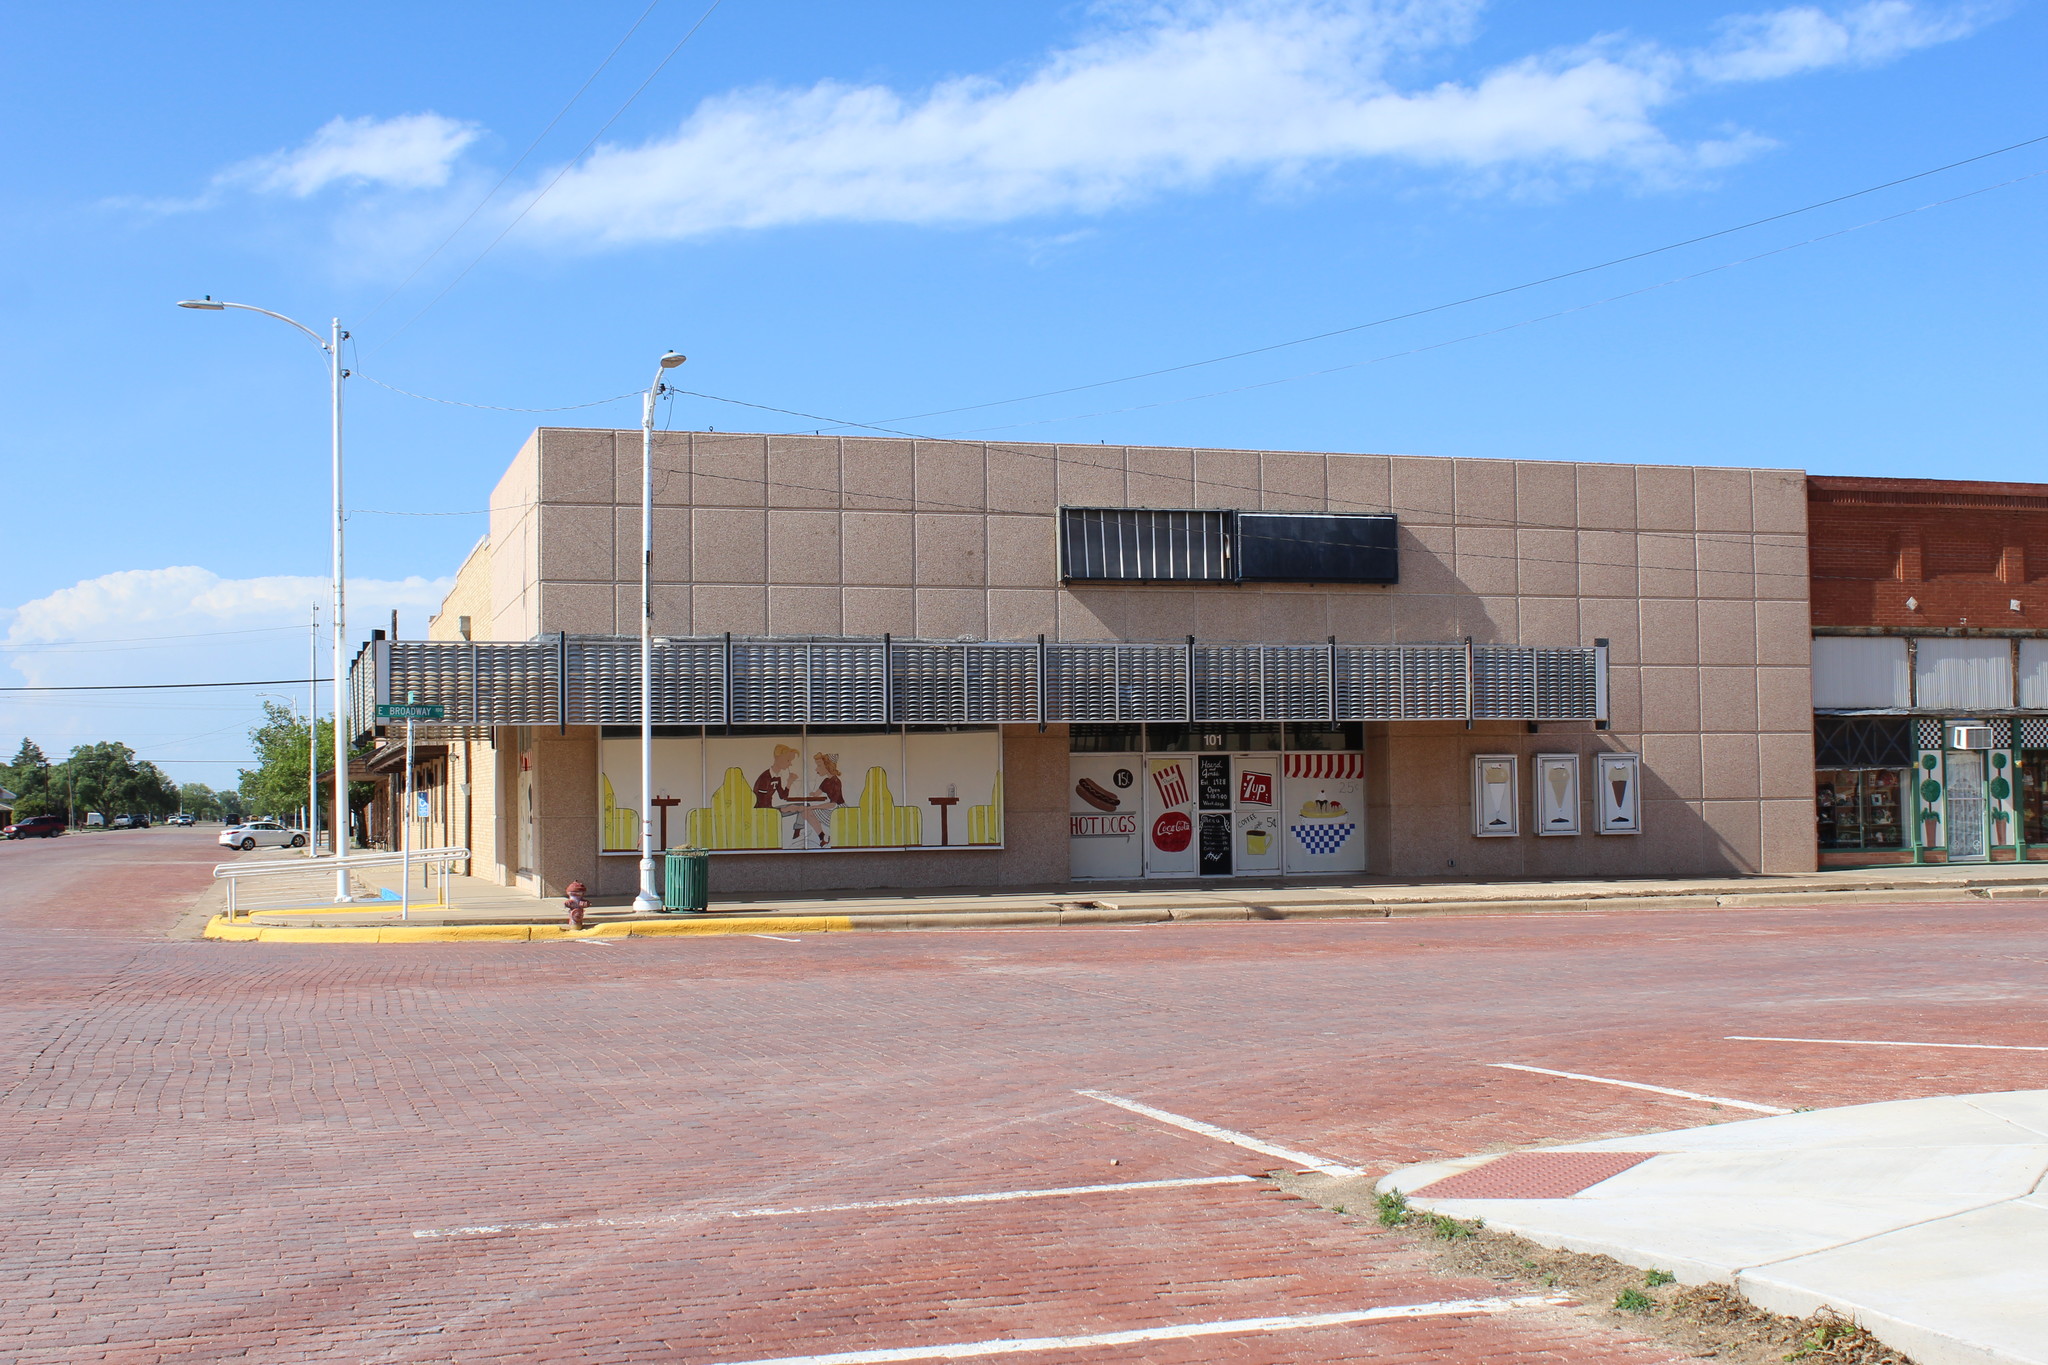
1930	669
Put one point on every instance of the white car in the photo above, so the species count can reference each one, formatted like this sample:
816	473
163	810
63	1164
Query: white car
262	834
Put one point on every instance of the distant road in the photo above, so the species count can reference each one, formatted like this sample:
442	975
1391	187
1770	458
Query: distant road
124	882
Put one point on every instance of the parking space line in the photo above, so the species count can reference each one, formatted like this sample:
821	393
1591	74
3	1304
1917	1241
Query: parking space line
779	938
1003	1196
1878	1042
1230	1135
925	1201
973	1350
1638	1085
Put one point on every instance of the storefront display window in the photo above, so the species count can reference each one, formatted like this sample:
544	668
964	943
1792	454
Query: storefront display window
1218	737
1858	808
2034	796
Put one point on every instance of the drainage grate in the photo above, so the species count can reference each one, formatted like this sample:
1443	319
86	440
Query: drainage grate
1533	1175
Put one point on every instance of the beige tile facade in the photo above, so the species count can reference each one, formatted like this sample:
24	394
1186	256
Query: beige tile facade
1696	577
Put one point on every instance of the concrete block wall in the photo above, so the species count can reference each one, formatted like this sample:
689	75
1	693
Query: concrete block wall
1697	577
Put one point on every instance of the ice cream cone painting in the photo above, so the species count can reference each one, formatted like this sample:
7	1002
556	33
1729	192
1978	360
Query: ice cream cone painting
1557	794
1496	808
1618	788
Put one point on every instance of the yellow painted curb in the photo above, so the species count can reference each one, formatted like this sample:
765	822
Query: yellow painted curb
242	931
792	924
218	927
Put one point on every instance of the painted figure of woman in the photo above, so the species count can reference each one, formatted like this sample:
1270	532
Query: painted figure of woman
832	790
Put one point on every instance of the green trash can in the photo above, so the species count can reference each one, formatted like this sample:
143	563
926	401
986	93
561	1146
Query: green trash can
686	879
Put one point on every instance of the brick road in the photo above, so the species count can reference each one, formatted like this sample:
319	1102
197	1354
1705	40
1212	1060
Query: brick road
223	1152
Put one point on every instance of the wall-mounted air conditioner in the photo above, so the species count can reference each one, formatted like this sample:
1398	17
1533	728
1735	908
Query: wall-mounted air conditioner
1969	737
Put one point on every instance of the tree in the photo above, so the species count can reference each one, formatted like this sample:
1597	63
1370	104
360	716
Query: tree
29	778
277	784
199	800
108	777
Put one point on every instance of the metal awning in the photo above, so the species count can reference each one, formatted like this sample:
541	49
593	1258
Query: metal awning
730	680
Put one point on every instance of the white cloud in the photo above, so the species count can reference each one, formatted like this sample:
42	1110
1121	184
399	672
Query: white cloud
409	152
188	599
1184	95
219	630
1785	42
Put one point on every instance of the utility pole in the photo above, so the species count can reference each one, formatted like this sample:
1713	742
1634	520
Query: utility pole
313	737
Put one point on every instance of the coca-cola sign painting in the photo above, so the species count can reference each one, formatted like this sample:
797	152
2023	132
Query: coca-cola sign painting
1172	832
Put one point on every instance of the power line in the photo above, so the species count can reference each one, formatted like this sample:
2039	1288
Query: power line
1416	350
1511	326
145	687
1472	298
566	168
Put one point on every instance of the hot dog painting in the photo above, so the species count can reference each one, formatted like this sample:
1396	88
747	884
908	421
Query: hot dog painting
1097	795
1104	802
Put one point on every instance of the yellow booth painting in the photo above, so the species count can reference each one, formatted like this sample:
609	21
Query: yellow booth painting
817	793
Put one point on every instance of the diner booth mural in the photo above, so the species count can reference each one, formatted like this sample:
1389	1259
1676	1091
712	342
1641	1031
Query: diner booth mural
807	793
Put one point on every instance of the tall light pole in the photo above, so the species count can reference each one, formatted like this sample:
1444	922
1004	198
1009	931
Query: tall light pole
331	345
313	735
648	900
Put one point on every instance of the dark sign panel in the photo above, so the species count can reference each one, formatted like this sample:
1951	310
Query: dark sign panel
1150	545
1212	782
1316	547
1215	844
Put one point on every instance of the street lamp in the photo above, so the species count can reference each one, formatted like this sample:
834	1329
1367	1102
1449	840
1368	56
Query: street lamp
648	901
332	345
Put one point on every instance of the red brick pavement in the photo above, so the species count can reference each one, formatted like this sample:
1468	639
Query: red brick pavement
221	1152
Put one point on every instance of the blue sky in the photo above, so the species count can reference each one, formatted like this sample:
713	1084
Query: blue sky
876	211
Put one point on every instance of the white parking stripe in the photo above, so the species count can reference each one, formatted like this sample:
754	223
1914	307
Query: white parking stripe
1230	1135
1002	1196
1875	1042
779	938
1653	1089
974	1350
701	1216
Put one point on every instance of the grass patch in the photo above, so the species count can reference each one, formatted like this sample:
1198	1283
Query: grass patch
1393	1209
1634	1300
1657	1279
1450	1229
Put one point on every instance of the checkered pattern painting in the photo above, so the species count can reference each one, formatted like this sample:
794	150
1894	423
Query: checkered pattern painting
1927	733
2034	732
1320	838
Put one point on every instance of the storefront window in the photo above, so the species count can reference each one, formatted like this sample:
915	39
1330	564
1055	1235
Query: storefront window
1858	808
1106	739
1214	737
2034	796
1328	736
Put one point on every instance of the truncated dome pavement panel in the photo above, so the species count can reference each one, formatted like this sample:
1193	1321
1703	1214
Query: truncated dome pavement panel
1533	1175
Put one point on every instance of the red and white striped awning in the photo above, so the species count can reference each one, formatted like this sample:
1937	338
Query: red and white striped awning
1325	767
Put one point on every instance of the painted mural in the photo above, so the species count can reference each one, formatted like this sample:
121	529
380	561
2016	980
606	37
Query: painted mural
817	793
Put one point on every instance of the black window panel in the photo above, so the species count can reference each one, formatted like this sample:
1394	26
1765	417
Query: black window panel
1133	544
1863	741
1336	736
1316	547
1106	739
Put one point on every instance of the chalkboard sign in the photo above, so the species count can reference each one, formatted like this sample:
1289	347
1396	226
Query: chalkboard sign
1216	845
1212	781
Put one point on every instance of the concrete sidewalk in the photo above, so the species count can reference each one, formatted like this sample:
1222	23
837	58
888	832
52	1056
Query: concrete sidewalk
475	901
1924	1220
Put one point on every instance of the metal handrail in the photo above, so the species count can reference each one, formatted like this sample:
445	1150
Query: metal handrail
232	870
426	857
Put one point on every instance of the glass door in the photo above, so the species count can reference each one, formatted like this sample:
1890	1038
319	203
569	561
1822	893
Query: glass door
1966	807
1170	789
1257	847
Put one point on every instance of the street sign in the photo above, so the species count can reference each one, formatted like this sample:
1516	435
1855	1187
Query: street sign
412	711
